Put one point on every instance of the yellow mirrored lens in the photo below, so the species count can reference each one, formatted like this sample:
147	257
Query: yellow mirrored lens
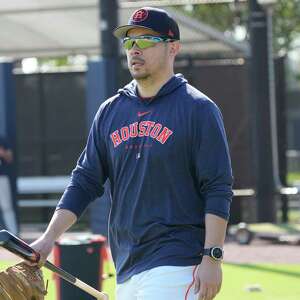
141	43
128	44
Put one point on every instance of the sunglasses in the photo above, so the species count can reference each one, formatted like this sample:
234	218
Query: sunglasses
144	41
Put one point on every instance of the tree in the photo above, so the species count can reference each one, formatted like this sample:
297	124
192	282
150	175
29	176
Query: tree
226	17
286	23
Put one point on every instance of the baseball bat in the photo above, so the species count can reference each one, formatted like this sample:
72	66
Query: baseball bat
17	246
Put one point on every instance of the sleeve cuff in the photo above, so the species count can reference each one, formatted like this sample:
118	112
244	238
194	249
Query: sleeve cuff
74	199
219	207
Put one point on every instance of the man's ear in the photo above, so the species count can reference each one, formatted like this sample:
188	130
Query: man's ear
174	48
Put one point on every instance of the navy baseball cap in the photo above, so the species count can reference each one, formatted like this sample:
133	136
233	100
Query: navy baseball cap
151	18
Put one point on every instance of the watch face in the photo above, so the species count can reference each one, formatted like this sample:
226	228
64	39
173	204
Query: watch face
217	253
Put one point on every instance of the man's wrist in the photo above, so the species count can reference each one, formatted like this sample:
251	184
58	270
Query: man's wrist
207	259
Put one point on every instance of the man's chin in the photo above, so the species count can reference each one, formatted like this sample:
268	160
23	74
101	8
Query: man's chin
139	76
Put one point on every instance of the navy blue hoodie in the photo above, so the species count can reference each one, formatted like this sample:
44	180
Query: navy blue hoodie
168	163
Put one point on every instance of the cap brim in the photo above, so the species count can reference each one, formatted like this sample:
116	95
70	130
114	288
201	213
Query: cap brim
121	31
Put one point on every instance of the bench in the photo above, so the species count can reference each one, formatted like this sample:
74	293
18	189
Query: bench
41	185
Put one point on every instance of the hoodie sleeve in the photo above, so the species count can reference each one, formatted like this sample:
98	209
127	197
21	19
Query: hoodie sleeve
89	175
212	161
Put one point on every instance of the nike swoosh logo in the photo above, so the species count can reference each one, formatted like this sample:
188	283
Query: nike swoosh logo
140	114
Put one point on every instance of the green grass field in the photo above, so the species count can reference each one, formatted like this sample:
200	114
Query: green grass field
241	282
293	178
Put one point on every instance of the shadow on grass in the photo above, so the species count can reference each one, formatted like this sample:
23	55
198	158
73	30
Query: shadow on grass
265	268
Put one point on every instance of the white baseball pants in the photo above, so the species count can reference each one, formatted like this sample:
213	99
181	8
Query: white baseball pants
161	283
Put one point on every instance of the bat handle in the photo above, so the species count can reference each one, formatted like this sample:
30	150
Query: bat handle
75	281
62	273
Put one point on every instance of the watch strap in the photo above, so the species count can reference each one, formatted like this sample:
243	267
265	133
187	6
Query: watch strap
206	251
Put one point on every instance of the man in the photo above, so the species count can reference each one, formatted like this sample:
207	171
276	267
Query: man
163	147
7	213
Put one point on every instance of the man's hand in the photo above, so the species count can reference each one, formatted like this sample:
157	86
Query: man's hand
43	246
208	279
6	155
9	156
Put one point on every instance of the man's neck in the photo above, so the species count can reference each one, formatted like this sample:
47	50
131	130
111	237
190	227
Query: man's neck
149	87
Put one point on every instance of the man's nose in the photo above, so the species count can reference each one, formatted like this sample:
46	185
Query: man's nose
135	49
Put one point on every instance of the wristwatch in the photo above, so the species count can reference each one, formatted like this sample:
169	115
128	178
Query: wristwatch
215	253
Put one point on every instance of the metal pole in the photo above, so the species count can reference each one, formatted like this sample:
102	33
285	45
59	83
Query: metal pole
108	21
272	97
8	205
261	114
102	83
109	45
274	118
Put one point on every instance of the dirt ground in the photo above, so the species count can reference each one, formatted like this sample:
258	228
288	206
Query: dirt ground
262	252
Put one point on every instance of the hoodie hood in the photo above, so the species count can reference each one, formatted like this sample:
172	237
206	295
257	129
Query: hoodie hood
130	90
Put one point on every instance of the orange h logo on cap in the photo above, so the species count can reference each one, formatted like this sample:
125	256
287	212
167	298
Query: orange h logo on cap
140	15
